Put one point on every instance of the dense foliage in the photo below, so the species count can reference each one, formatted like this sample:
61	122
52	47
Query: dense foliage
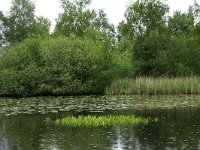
161	45
55	67
156	55
21	23
77	20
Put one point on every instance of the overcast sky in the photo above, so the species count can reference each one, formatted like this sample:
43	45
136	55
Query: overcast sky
114	8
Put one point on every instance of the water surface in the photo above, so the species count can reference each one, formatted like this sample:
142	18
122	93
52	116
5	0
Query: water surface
22	125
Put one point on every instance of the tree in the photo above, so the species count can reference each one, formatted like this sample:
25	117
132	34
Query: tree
102	24
181	24
142	17
194	11
20	22
156	55
77	20
2	40
42	26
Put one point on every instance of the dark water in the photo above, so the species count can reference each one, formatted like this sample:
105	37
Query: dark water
22	125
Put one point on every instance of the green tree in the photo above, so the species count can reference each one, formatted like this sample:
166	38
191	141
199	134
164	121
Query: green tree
75	19
42	26
194	11
144	20
156	55
181	24
2	40
20	22
142	17
78	20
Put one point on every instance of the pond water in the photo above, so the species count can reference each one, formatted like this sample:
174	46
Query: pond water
22	125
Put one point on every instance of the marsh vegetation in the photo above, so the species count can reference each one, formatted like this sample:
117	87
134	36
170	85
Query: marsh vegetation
152	85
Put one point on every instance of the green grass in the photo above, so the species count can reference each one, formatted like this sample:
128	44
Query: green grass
150	85
95	121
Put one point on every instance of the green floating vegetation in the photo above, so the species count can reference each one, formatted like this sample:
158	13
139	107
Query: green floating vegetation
95	121
150	85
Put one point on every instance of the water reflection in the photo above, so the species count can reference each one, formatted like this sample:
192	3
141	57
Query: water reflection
178	126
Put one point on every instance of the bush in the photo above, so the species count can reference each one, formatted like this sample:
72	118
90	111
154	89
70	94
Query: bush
60	66
156	55
122	59
192	56
122	64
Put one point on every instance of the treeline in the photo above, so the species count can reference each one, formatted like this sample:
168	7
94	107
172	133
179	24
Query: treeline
162	45
84	52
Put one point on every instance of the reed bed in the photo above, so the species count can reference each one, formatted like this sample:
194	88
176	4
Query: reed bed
95	121
151	86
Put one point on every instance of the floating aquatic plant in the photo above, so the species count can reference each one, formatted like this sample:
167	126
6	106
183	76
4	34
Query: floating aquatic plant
94	121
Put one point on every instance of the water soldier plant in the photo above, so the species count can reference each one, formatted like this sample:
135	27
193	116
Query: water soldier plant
95	121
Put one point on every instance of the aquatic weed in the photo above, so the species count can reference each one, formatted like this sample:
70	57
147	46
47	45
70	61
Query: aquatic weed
94	121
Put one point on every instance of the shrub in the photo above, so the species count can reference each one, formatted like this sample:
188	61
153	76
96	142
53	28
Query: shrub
122	64
60	66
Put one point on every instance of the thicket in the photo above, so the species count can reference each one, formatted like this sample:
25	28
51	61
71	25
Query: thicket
59	66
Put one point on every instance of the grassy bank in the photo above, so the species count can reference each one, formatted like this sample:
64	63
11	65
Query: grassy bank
149	85
94	121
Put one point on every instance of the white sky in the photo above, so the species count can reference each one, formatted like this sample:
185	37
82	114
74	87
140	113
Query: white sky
114	8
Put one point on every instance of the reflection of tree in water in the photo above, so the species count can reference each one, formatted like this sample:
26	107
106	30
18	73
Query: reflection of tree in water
30	133
81	138
22	132
3	139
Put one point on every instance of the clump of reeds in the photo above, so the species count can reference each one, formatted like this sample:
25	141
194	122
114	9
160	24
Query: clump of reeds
150	85
95	121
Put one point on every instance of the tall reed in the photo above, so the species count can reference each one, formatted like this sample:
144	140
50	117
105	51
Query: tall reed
150	85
